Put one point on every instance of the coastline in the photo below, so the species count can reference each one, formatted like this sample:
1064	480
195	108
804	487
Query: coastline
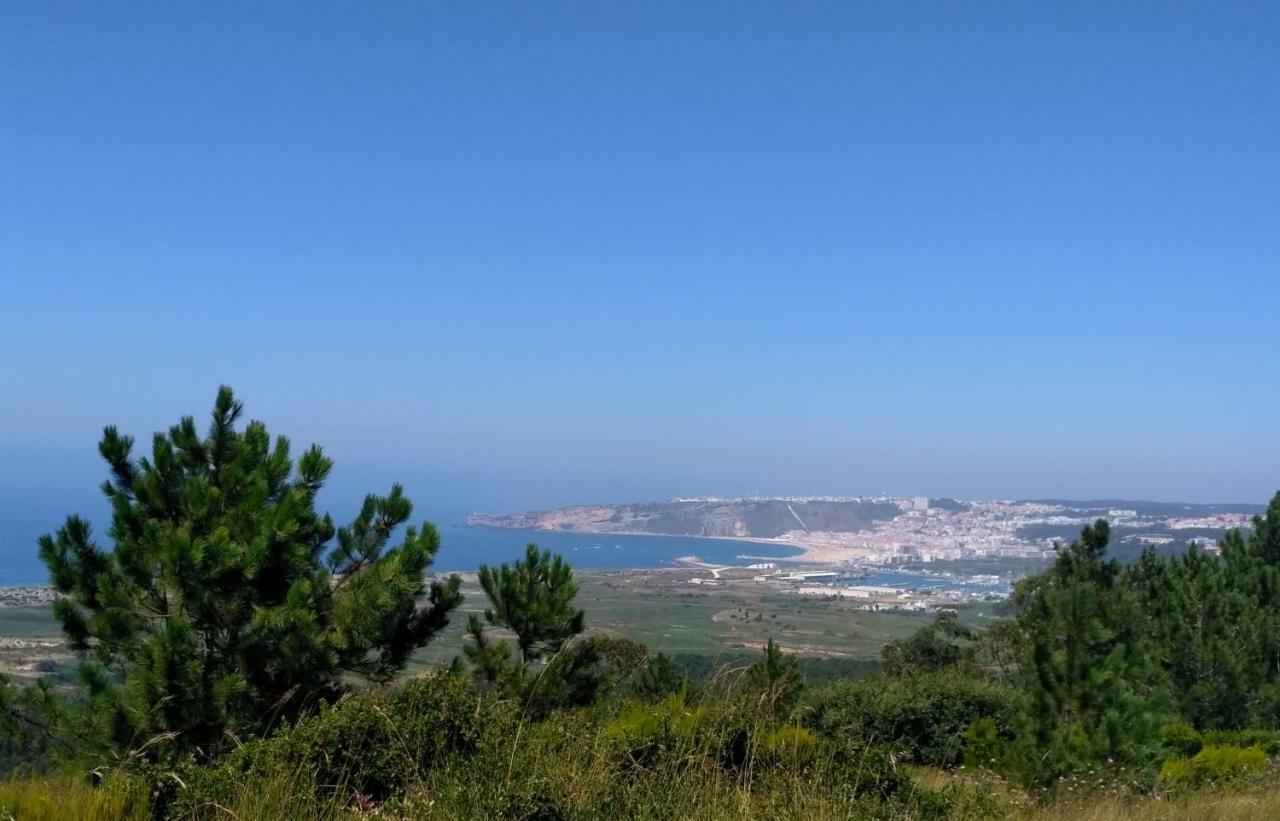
810	552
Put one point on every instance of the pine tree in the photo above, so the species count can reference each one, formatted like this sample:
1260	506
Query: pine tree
1211	627
532	598
1251	630
223	605
944	643
1196	625
1092	702
777	677
659	679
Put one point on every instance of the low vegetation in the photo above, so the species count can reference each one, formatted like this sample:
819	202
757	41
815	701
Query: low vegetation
241	657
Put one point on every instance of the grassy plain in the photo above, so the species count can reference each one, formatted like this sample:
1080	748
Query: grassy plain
665	612
659	608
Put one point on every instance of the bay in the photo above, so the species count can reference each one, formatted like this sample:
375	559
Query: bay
465	548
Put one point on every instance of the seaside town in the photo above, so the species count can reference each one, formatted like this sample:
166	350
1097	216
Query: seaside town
890	553
930	530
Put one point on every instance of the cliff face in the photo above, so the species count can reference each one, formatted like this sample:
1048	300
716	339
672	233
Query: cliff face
761	518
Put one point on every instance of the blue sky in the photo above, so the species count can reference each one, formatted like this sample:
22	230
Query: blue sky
532	254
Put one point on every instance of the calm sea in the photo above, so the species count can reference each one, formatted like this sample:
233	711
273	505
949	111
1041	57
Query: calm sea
466	548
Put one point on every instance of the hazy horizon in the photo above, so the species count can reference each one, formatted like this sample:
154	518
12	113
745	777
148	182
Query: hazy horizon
520	258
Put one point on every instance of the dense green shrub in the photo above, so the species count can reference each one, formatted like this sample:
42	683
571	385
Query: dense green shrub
1268	740
1215	765
922	717
643	728
371	744
587	671
791	748
984	748
1182	739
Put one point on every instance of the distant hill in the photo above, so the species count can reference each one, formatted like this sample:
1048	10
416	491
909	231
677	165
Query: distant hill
1101	506
759	518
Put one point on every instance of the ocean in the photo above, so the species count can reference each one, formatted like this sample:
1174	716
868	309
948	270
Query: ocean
466	548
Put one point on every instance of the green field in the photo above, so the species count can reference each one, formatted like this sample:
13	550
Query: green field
657	608
667	614
29	621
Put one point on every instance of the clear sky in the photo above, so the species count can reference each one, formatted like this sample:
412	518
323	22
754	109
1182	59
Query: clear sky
526	254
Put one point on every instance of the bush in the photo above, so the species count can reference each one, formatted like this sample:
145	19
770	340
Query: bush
370	745
1216	765
1268	740
792	748
1181	739
984	748
923	718
585	672
646	731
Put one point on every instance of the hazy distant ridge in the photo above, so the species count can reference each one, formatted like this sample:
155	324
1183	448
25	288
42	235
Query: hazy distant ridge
759	518
1143	508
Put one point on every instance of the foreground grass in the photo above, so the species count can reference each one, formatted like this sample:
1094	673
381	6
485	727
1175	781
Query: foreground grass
1261	805
57	798
436	748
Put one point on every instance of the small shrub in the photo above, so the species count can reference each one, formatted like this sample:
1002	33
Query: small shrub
984	748
955	801
861	770
1216	765
648	730
1268	740
1181	739
371	744
790	747
923	717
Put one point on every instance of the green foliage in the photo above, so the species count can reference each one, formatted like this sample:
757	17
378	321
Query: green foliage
984	747
648	730
1268	740
373	744
791	748
533	599
923	718
724	760
776	677
222	608
29	719
587	671
1213	765
945	643
658	679
700	669
1213	626
1181	739
1092	702
119	797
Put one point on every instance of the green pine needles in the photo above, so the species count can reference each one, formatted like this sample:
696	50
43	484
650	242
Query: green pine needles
224	605
533	599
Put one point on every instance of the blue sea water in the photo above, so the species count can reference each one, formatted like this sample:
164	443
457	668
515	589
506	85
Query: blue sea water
466	548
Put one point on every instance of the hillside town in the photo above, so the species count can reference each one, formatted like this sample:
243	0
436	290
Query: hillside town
886	530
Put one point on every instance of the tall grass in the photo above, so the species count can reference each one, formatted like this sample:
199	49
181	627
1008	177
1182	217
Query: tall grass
436	749
61	798
1254	805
